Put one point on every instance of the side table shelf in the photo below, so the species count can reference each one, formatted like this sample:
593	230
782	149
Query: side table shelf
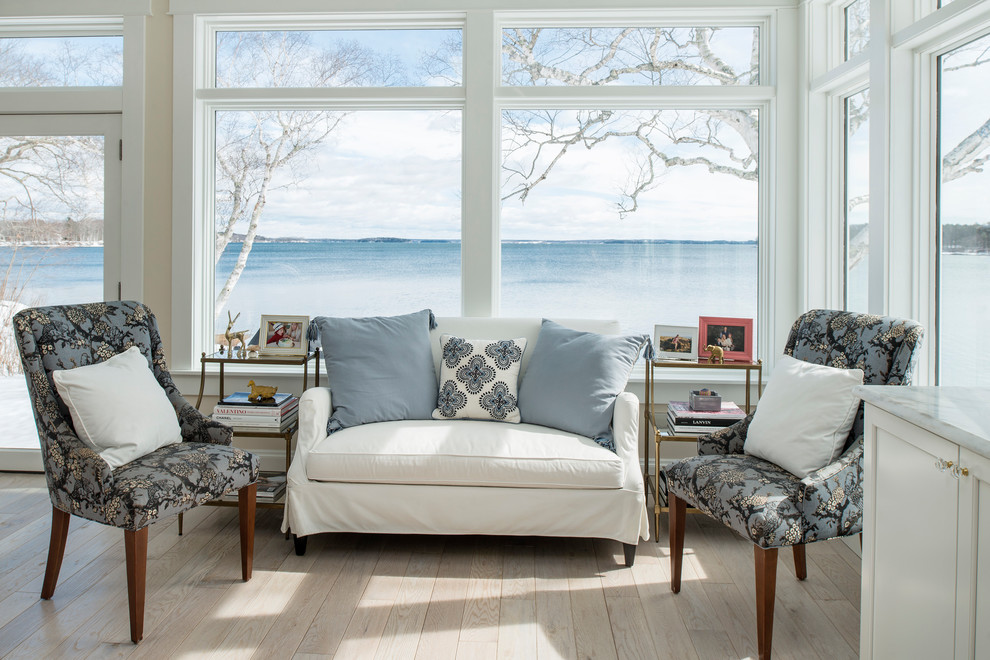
286	432
656	420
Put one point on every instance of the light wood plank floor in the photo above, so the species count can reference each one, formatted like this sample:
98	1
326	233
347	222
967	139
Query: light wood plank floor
372	596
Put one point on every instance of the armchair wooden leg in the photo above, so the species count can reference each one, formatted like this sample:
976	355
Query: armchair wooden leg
246	508
675	519
766	588
800	562
136	554
56	550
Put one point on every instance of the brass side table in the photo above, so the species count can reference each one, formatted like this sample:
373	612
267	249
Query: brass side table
286	431
658	423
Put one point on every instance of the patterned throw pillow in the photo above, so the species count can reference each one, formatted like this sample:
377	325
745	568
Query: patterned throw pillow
479	379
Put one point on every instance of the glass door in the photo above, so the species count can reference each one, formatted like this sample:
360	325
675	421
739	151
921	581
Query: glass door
59	240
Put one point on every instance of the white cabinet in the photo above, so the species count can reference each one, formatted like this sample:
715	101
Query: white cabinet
925	536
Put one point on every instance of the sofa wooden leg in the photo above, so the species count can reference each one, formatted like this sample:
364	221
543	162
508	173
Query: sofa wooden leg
800	562
629	550
56	550
766	588
300	543
246	508
675	519
136	555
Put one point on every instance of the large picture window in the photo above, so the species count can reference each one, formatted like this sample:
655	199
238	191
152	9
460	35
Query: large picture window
544	168
328	208
630	229
362	219
964	257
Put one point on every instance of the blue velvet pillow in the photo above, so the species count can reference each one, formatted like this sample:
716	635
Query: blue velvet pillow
379	368
573	378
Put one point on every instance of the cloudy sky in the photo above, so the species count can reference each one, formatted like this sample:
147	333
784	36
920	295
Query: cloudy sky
399	174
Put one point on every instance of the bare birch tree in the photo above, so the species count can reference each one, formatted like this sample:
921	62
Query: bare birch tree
255	145
723	141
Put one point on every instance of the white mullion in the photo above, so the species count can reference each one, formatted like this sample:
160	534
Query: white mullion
132	176
681	16
714	8
480	169
925	227
76	100
337	21
842	76
353	98
189	272
74	8
60	26
954	23
629	97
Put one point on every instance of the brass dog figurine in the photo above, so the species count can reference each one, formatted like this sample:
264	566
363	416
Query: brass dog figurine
261	392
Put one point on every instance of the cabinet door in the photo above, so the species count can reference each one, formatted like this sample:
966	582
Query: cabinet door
973	605
915	523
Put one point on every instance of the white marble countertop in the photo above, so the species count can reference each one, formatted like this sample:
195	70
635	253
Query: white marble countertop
958	414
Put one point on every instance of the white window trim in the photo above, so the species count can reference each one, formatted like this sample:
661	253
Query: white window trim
483	99
125	247
913	168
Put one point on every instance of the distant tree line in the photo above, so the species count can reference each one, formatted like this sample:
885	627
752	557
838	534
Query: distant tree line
966	237
88	230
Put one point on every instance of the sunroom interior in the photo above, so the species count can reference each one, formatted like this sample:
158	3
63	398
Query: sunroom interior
655	162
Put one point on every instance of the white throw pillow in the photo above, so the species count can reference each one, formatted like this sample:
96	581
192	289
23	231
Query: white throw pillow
479	379
804	415
118	408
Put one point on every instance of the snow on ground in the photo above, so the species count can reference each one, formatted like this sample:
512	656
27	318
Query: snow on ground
17	429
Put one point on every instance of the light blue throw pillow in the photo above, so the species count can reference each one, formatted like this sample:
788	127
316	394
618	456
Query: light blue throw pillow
379	368
573	378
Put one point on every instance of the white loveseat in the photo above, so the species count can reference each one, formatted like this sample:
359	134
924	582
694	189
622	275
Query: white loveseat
466	476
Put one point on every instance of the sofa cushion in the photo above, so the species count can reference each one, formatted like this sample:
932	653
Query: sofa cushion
574	377
464	452
379	368
479	379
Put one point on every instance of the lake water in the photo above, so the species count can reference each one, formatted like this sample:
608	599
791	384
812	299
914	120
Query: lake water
640	284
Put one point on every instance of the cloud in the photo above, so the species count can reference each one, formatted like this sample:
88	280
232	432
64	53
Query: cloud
398	173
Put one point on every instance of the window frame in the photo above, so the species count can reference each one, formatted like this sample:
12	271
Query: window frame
481	98
108	18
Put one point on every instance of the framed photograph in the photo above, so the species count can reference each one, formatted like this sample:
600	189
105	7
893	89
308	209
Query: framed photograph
283	335
733	336
675	342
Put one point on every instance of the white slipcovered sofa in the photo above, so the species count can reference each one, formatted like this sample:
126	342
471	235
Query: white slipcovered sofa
467	476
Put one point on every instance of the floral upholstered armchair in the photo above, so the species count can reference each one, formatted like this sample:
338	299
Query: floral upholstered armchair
763	502
168	481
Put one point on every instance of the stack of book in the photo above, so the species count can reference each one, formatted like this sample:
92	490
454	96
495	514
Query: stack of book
681	420
271	415
271	487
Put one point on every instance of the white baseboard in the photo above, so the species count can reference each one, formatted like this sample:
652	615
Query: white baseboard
21	460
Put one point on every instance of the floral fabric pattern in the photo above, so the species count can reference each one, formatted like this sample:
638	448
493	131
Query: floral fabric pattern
499	402
475	374
453	350
450	399
79	480
504	353
765	503
479	379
